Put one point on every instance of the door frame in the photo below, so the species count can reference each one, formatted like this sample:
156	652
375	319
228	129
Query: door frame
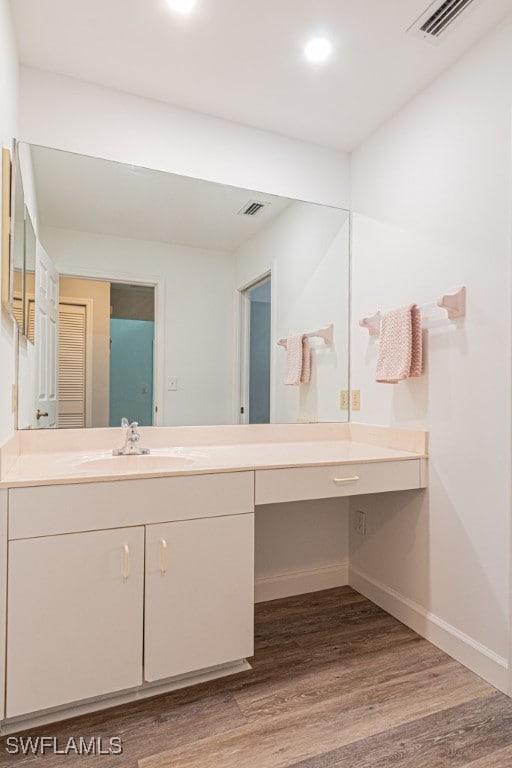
158	283
244	326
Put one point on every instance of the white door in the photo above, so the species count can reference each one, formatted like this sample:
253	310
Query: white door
199	609
46	336
74	617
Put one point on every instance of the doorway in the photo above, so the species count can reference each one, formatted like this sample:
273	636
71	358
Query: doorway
255	407
132	333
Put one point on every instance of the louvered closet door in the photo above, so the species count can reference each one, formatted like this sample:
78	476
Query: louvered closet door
17	310
30	318
72	365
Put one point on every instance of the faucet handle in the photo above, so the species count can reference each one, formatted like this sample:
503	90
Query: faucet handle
133	425
124	422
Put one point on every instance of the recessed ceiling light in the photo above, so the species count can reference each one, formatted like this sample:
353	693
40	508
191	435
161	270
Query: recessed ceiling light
318	49
181	6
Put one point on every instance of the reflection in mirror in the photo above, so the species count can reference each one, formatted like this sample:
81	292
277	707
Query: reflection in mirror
18	247
29	277
5	275
173	294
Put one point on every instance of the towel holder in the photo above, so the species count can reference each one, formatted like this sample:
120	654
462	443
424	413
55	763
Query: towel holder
453	301
322	333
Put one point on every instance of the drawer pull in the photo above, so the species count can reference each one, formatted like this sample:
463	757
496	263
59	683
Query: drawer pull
126	562
341	480
163	562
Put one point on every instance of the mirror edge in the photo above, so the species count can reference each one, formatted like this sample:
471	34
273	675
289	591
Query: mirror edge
6	228
16	179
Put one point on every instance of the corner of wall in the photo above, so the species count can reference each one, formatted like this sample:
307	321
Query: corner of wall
9	86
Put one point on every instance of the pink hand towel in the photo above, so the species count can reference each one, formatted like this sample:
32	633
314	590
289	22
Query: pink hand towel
400	354
298	360
305	376
417	343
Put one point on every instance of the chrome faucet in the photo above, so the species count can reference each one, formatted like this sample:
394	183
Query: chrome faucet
130	447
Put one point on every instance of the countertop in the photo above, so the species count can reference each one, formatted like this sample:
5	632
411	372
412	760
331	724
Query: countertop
307	448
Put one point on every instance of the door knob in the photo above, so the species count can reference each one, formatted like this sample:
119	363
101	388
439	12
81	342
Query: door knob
39	414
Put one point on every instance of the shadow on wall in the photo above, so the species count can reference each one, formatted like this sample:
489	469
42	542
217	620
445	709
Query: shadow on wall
395	550
421	552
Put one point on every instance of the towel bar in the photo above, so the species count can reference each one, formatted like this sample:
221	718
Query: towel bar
322	333
454	302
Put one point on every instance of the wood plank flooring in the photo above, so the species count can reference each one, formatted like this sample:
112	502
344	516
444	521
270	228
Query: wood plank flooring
336	683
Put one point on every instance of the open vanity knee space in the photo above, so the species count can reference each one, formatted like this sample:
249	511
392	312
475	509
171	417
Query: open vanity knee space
119	586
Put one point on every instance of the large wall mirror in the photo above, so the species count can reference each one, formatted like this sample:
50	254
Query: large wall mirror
170	300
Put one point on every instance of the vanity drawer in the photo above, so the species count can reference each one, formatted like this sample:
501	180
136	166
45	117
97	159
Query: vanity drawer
281	485
54	509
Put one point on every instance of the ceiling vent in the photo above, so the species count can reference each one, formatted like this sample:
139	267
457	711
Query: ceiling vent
439	17
252	208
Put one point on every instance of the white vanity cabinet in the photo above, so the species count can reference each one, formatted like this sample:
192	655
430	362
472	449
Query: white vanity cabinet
117	584
74	618
124	587
199	594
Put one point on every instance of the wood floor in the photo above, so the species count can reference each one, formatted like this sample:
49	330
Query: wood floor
336	683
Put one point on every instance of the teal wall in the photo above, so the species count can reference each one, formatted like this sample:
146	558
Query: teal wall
131	371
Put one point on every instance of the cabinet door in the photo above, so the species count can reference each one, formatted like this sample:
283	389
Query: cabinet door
74	617
199	594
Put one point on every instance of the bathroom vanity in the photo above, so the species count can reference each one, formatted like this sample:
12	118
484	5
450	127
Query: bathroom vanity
127	579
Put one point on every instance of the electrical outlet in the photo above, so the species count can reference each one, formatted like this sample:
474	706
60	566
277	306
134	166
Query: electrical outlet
356	399
344	400
172	384
360	523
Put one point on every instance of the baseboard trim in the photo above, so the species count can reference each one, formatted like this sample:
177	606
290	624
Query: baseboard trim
300	582
477	657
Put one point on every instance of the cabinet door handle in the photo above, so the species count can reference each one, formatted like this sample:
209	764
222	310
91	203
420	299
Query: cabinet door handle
341	480
126	562
163	561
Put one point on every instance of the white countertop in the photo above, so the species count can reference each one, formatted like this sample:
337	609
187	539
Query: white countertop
95	464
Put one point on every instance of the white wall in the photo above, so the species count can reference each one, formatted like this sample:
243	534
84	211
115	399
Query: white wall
432	202
8	123
65	113
196	329
307	250
300	547
8	129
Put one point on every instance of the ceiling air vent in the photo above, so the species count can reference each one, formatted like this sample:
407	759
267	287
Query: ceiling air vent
438	17
251	208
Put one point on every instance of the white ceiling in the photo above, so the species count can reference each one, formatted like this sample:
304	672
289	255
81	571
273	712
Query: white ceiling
92	195
243	61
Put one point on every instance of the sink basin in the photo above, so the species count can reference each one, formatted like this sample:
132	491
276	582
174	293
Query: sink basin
136	464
